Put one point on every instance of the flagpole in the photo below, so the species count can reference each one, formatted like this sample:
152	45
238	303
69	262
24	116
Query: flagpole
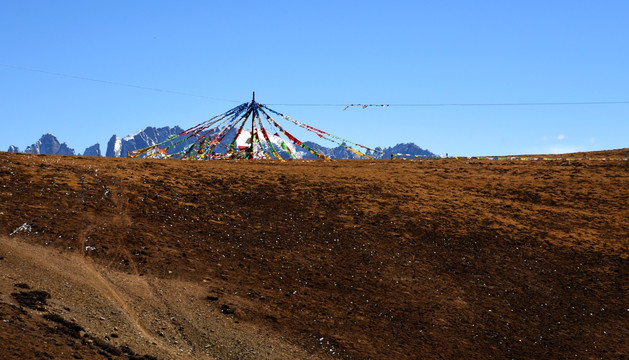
253	121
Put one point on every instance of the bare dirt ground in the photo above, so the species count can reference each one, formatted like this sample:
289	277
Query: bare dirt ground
436	259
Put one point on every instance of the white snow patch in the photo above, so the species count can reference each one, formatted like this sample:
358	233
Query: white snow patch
130	137
117	147
243	140
24	227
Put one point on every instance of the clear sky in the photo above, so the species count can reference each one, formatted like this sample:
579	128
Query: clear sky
322	52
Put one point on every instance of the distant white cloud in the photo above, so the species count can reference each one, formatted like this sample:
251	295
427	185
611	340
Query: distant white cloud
561	137
592	140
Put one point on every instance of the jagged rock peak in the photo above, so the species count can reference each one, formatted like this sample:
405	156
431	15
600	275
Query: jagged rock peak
13	149
48	144
405	148
93	150
340	152
114	146
119	147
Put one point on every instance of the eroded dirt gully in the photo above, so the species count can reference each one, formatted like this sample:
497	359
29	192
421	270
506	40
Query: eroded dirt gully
360	259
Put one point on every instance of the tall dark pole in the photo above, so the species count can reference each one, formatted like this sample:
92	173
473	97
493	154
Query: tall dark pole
253	121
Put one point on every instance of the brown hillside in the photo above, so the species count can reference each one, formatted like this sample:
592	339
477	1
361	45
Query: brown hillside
438	259
617	153
606	153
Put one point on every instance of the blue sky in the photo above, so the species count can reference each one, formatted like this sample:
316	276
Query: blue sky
322	52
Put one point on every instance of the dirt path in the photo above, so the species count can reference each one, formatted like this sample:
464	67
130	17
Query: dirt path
98	278
174	321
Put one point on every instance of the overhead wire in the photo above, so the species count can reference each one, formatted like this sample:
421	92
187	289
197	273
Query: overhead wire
117	83
346	106
463	104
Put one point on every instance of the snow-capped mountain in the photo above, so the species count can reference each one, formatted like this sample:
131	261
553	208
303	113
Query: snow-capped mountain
408	149
338	152
121	146
341	152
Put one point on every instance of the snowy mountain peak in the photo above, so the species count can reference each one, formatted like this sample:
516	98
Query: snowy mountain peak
119	147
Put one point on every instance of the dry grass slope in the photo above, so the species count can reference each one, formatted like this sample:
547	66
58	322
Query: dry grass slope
361	259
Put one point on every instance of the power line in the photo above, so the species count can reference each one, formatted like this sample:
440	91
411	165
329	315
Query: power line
468	104
322	104
116	83
521	103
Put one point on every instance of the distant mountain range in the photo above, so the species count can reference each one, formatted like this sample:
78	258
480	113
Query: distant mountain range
119	147
47	144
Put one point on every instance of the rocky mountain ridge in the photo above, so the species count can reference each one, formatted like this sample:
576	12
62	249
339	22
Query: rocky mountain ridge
120	146
47	144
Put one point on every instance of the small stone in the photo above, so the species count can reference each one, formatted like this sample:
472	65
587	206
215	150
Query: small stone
225	309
